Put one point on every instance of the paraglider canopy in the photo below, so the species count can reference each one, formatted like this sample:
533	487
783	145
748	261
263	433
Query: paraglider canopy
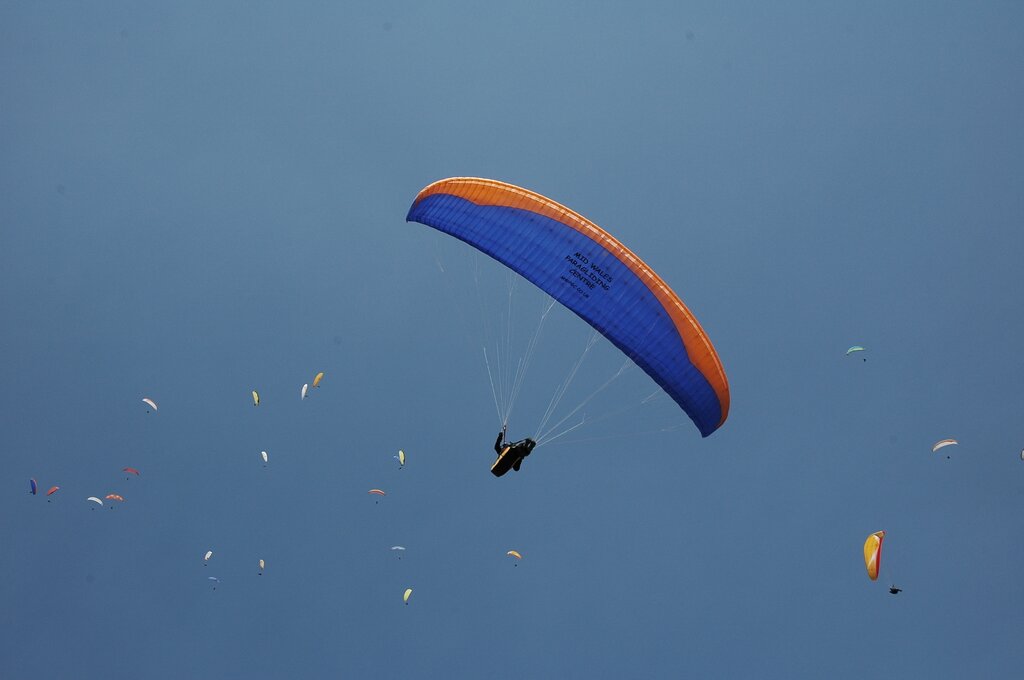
53	490
854	350
34	488
318	378
150	403
943	443
407	595
873	554
255	398
591	273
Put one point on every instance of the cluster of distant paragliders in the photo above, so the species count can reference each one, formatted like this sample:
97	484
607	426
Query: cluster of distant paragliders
33	489
152	406
873	544
34	486
400	457
214	580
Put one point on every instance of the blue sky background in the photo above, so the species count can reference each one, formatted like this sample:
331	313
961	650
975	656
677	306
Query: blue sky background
198	201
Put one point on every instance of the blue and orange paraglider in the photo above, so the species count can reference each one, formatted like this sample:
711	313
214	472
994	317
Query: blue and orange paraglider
589	271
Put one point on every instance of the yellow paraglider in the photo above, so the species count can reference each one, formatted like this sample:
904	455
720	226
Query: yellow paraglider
515	554
318	378
255	398
873	554
401	457
408	594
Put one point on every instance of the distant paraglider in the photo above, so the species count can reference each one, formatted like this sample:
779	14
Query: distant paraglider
893	590
265	457
401	458
53	490
206	557
398	549
214	580
262	567
943	443
407	595
318	378
33	487
255	398
114	497
376	492
305	388
130	470
95	500
854	350
149	402
873	554
516	555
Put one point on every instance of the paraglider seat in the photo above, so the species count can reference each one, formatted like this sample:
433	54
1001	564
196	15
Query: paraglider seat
504	462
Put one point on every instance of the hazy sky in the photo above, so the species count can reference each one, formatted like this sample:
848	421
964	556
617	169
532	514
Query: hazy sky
197	201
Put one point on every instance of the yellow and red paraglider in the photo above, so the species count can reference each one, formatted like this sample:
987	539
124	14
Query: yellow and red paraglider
873	554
